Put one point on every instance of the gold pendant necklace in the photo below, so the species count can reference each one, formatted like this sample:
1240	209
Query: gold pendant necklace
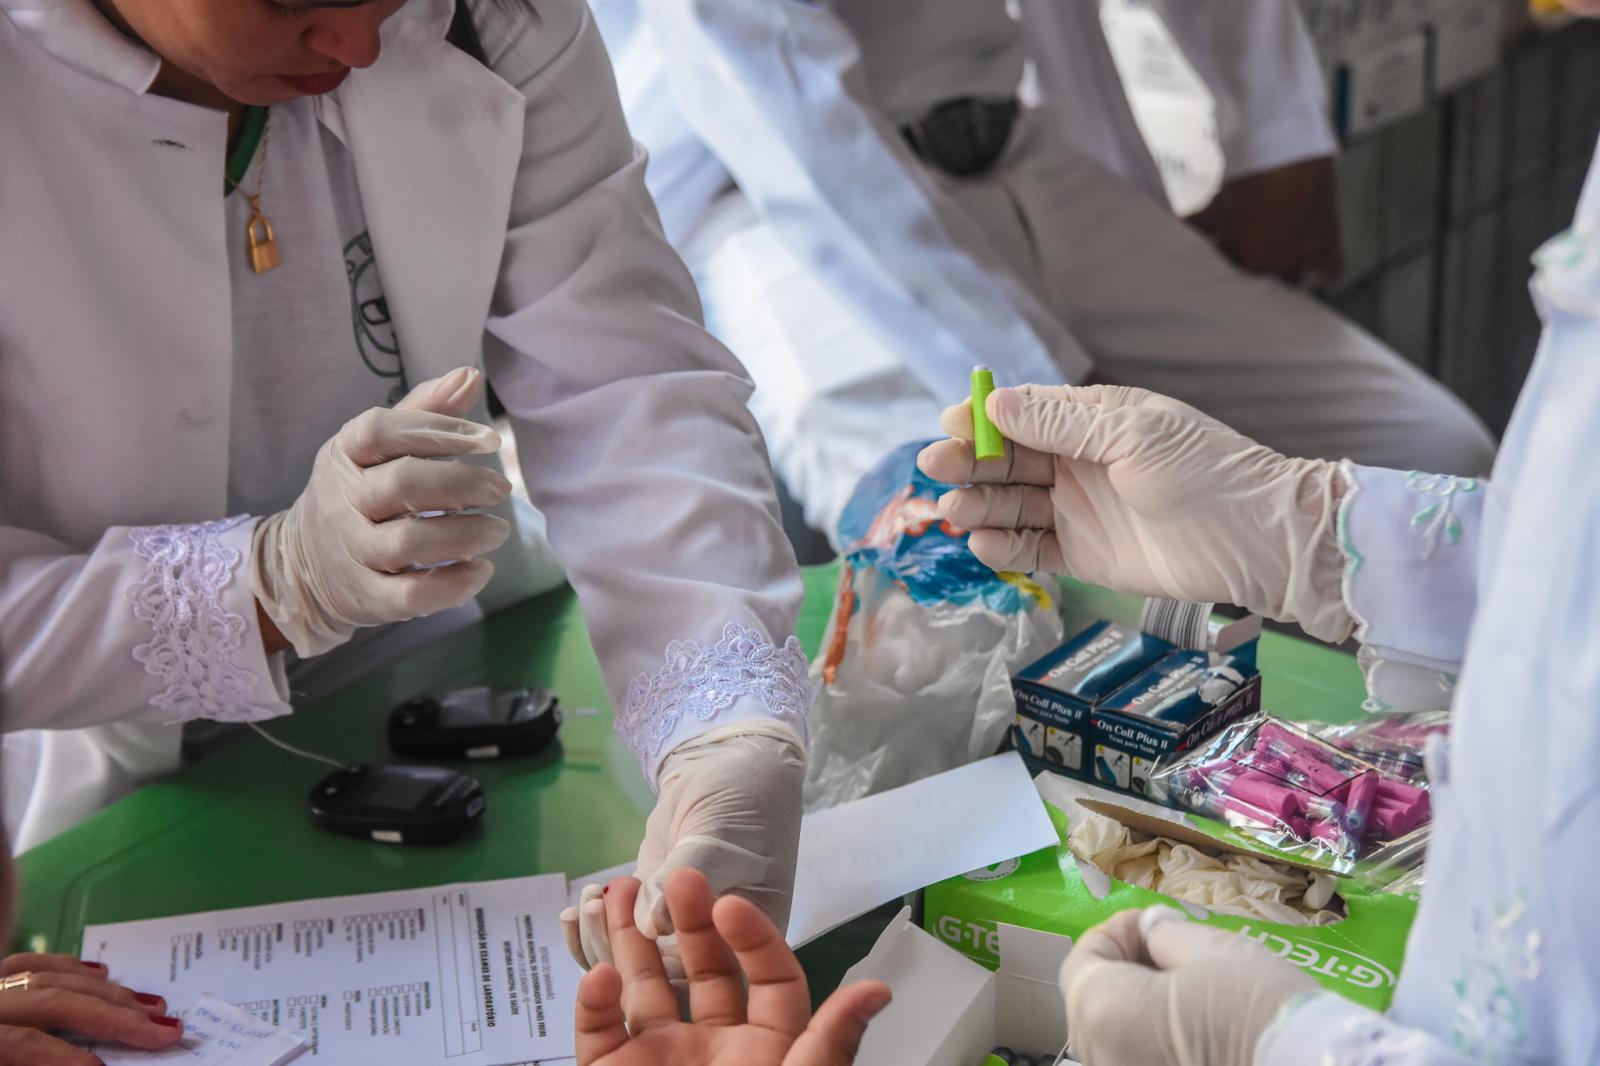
259	238
258	234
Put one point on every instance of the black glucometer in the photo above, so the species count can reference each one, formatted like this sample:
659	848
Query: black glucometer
475	723
398	804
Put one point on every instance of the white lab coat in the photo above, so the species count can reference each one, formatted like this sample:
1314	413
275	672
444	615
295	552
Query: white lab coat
1255	57
860	286
1503	965
508	209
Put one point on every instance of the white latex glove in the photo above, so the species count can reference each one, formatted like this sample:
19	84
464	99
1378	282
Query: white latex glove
729	806
1133	491
352	551
1151	988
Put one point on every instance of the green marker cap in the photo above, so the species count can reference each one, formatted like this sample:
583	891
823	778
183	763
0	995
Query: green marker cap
986	439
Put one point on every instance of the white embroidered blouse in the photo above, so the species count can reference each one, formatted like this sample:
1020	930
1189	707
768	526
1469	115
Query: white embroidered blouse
118	602
1498	584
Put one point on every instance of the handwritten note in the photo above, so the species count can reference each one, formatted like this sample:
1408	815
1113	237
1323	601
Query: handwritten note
219	1034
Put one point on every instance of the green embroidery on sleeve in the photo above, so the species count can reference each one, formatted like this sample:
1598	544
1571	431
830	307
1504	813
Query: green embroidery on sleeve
1439	518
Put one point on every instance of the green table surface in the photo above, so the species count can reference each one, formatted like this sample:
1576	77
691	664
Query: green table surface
231	830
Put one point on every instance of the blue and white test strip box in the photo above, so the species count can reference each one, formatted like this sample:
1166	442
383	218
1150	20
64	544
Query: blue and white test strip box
1112	701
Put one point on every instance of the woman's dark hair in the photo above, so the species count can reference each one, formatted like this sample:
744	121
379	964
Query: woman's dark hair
464	35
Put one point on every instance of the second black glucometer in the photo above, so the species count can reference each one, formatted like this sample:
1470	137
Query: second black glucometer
475	723
398	804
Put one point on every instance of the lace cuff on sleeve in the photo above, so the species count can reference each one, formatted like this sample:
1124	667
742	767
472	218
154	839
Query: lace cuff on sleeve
1410	542
197	642
701	687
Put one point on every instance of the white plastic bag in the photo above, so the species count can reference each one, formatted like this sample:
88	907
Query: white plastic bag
915	670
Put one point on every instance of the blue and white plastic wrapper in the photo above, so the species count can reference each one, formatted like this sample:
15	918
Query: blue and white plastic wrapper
915	669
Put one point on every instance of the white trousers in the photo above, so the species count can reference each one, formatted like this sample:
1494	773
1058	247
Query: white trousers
1151	302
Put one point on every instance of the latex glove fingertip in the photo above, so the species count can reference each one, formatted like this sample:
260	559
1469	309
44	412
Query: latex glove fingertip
956	420
594	935
574	939
650	912
1150	917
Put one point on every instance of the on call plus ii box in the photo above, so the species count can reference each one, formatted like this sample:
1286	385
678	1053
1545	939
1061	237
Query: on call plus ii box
1056	693
1112	700
1169	708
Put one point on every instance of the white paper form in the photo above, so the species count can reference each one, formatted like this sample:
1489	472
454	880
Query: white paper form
858	855
459	975
218	1034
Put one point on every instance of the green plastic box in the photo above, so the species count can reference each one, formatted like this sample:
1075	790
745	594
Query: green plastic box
1359	957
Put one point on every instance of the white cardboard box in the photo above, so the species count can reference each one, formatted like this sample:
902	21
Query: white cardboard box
949	1011
1382	84
1342	29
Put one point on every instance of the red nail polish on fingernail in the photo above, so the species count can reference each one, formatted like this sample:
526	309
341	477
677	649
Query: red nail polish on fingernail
94	965
170	1023
147	999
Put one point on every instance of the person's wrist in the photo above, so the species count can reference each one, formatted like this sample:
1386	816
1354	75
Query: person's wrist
1314	574
766	733
285	597
1334	622
1281	1023
272	638
262	570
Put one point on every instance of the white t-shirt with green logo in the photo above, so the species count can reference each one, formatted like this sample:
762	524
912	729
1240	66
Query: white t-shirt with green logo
312	342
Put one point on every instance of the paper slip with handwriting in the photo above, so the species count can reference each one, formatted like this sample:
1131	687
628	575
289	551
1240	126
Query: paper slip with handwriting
218	1034
459	975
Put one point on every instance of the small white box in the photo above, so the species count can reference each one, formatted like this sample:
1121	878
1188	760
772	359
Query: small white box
949	1011
1341	29
1380	85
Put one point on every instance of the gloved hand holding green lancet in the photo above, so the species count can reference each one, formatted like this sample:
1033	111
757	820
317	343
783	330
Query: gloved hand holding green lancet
1133	491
